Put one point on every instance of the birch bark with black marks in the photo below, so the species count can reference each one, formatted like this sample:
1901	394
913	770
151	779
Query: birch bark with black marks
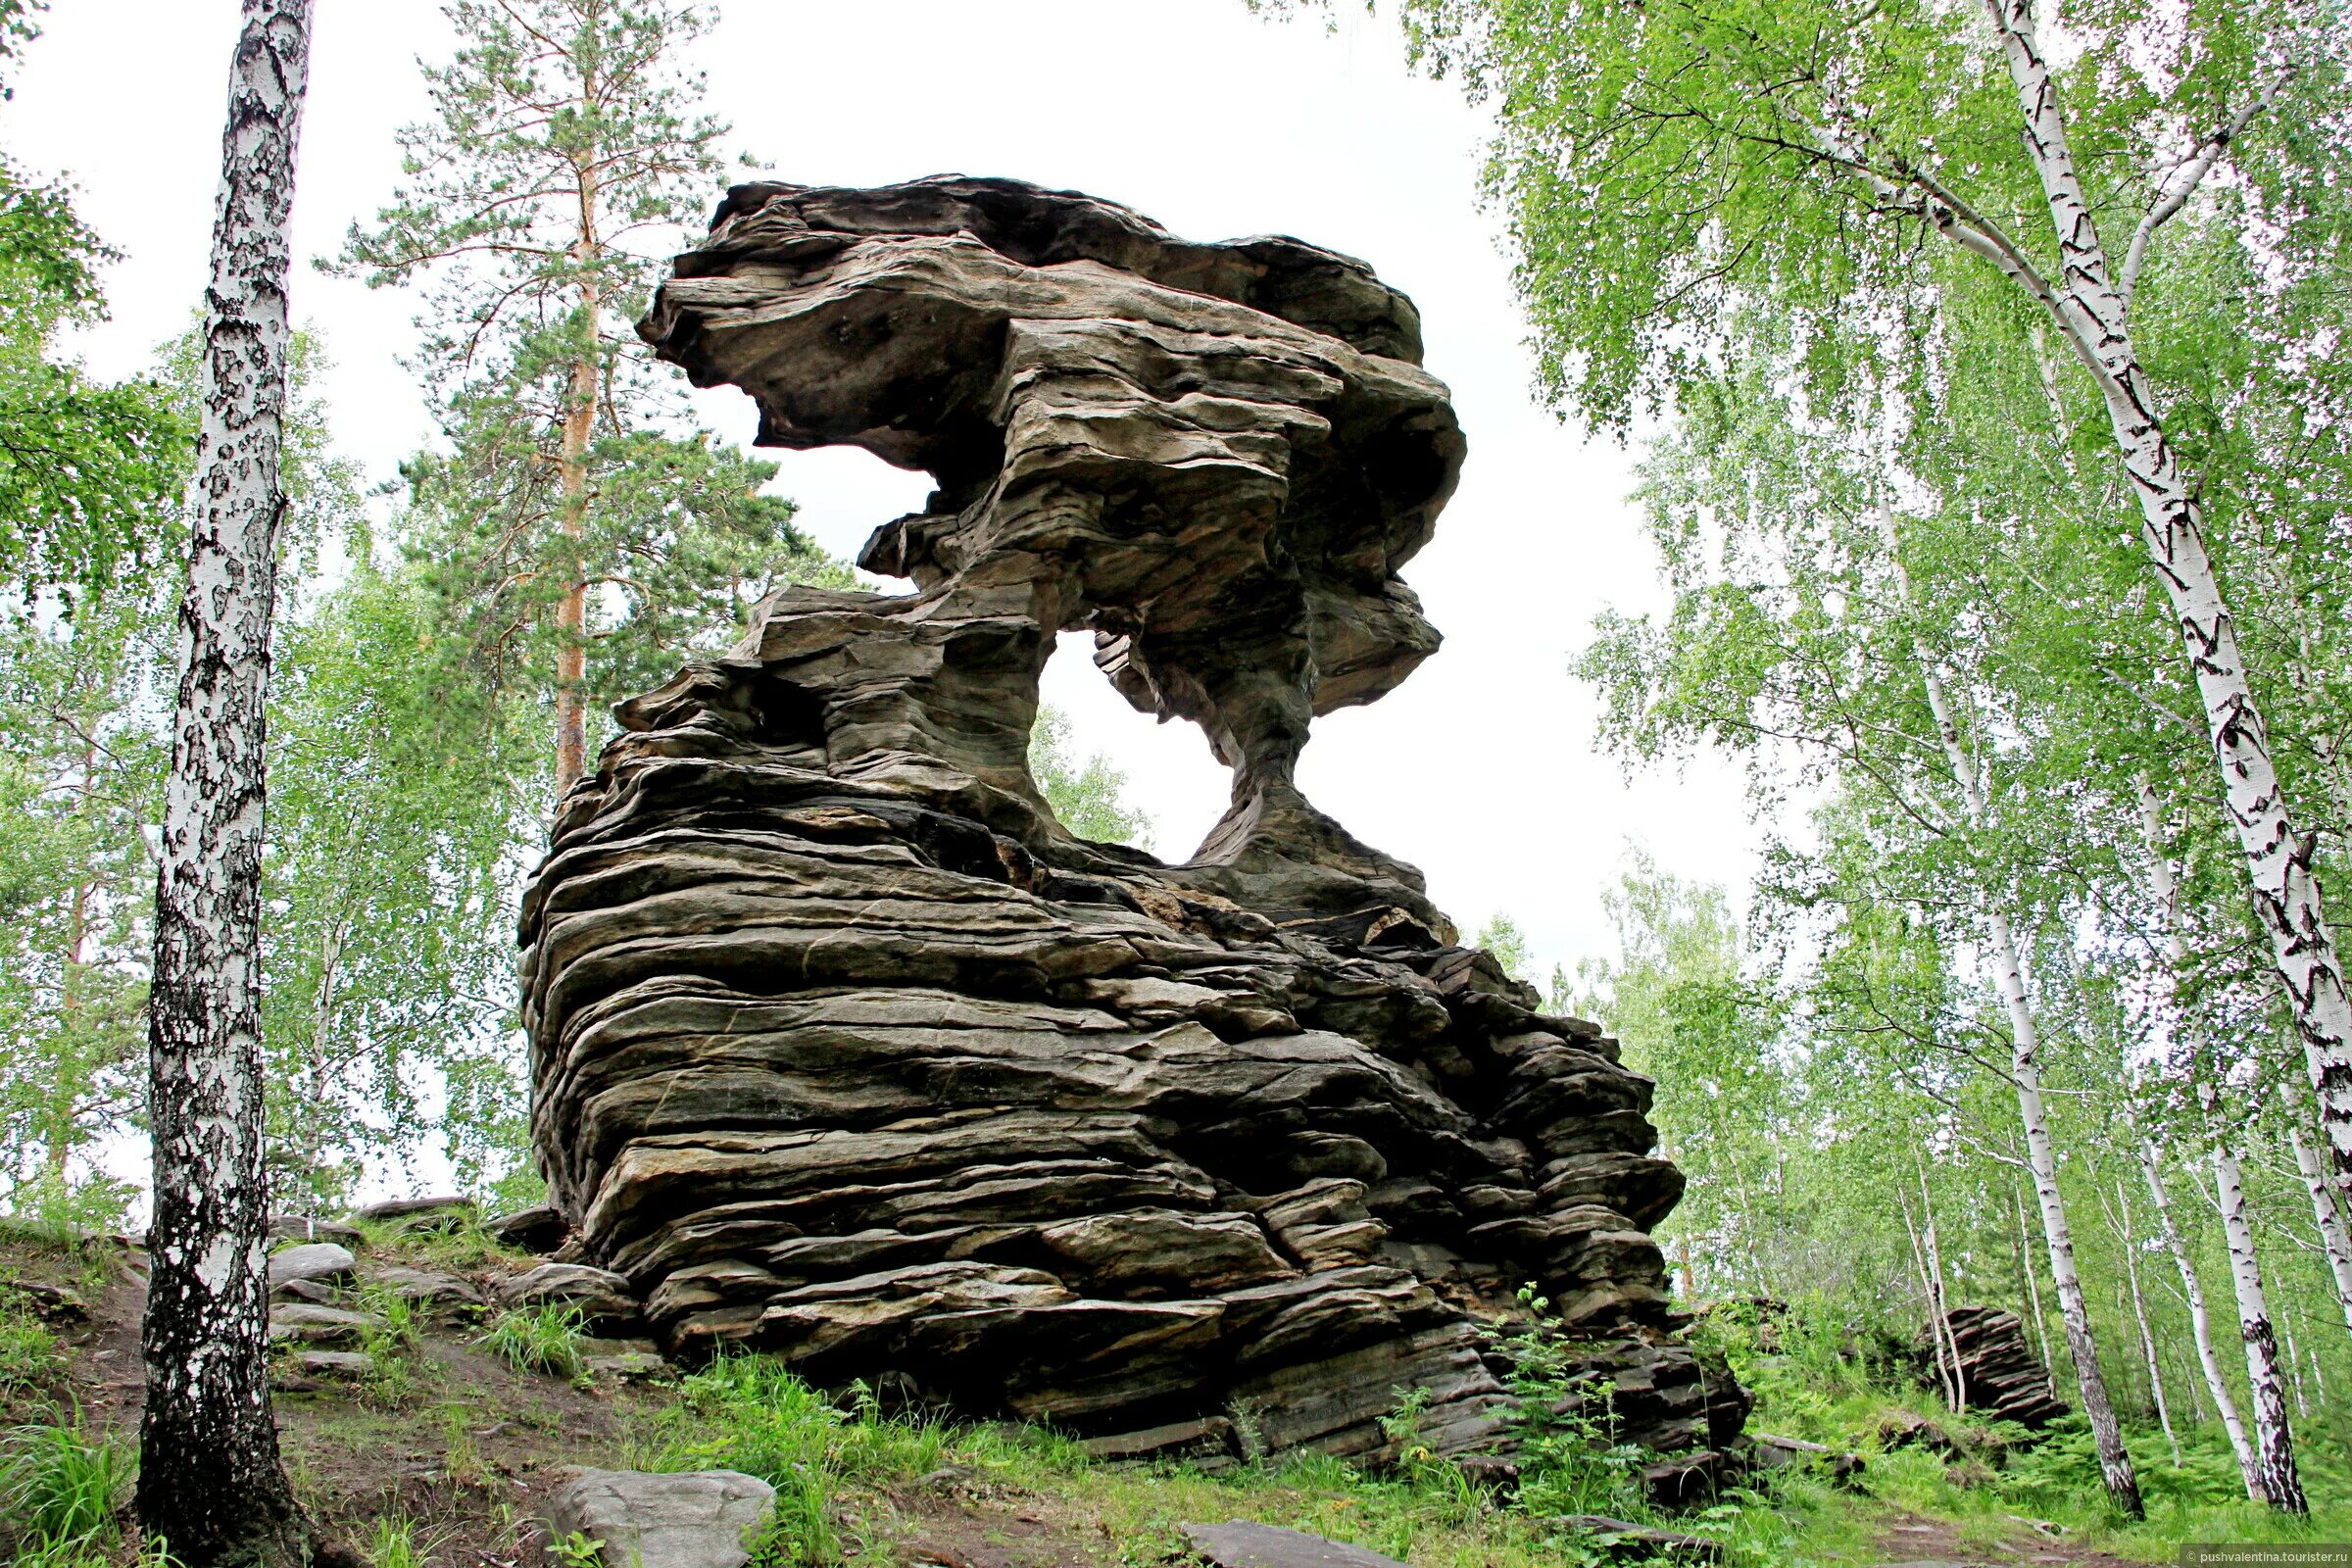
2200	1321
2092	306
2024	1074
2266	1389
211	1484
2335	1236
2273	1478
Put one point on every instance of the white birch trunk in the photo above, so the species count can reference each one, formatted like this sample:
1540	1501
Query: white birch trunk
2025	1073
2335	1240
2140	1315
2273	1442
2273	1478
210	1480
2095	312
2200	1323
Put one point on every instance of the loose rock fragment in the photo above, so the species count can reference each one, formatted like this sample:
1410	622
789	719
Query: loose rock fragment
698	1519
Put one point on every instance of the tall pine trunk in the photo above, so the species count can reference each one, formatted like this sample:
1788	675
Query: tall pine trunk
2024	1074
2200	1322
580	424
210	1480
2095	313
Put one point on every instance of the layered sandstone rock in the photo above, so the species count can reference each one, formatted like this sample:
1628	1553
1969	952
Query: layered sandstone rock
847	1050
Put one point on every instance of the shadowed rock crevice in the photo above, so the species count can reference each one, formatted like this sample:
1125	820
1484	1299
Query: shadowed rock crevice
845	1050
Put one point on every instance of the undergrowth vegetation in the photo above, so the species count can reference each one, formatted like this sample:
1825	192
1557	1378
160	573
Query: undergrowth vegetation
549	1337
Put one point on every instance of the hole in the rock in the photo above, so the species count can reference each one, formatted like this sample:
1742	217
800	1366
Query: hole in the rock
1166	772
845	493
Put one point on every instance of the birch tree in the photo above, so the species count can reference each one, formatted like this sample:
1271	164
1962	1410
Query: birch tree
1659	164
211	1484
1799	628
2273	1476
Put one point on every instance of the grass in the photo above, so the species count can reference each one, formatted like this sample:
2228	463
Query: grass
63	1490
388	1342
396	1542
548	1338
30	1357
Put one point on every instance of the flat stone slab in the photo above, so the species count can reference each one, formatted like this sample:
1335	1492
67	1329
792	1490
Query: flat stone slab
603	1297
307	1228
429	1288
317	1325
1238	1544
325	1262
698	1519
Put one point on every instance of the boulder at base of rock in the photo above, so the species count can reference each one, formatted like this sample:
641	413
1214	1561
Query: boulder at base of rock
318	1262
537	1229
701	1519
1239	1544
435	1292
1776	1452
443	1214
603	1297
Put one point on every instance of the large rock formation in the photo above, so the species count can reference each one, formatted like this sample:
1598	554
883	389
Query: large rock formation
847	1050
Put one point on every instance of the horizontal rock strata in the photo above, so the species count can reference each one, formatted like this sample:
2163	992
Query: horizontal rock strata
847	1051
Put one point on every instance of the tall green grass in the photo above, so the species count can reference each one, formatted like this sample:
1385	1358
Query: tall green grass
63	1489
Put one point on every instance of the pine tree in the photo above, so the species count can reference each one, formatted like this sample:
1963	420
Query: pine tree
584	534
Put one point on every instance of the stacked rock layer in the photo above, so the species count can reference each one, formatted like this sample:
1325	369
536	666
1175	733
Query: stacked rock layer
845	1050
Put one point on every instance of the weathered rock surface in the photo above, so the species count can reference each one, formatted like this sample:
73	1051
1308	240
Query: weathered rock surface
1999	1373
698	1519
603	1298
302	1323
437	1293
307	1228
847	1050
312	1262
537	1229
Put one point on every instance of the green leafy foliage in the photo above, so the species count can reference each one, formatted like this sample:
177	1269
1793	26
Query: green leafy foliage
1086	796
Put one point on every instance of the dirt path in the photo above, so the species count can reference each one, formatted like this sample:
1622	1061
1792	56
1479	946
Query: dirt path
1906	1540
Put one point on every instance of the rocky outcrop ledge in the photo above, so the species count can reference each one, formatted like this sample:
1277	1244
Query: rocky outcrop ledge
847	1050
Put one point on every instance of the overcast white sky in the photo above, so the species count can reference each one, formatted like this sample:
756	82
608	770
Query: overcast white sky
1481	769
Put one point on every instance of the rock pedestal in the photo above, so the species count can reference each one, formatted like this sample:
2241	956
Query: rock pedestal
847	1051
